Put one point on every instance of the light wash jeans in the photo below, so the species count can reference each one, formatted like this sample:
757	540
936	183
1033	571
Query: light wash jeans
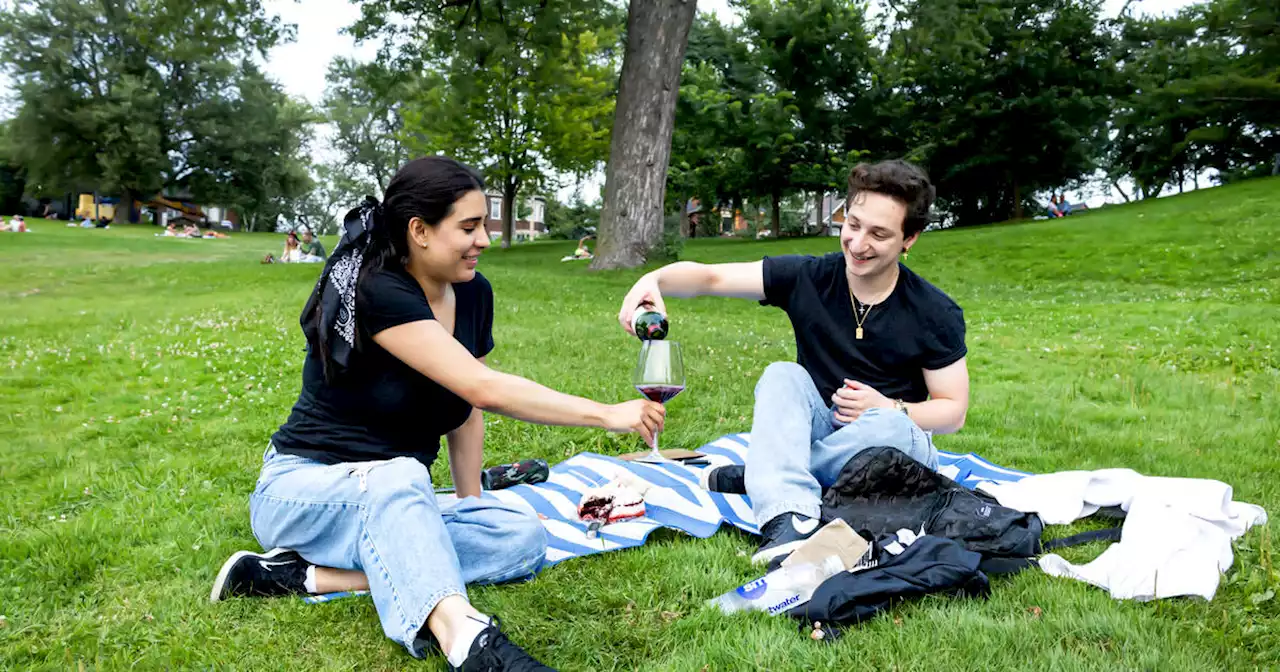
797	449
383	518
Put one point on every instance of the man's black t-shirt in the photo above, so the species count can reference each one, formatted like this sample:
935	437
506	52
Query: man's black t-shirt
917	327
380	408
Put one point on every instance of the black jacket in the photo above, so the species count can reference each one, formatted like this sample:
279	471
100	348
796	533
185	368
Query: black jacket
882	490
929	565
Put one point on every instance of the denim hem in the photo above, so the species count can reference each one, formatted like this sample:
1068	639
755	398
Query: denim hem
419	647
775	510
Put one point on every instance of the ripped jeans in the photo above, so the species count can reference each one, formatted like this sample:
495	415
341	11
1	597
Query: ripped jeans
383	518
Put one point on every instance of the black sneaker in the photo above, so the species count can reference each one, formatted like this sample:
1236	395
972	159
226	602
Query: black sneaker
783	534
277	572
730	479
493	652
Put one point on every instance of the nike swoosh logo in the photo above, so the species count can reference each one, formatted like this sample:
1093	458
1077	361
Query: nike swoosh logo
804	527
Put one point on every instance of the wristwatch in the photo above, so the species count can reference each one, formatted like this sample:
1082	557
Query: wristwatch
901	406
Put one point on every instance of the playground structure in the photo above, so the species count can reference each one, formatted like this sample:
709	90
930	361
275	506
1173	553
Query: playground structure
166	208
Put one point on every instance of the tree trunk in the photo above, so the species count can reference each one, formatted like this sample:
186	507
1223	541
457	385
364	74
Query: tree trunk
509	190
819	227
130	215
1116	185
636	177
1017	200
775	220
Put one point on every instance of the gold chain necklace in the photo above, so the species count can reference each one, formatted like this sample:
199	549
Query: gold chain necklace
859	319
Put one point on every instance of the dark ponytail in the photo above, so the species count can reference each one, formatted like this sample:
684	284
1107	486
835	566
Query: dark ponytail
376	236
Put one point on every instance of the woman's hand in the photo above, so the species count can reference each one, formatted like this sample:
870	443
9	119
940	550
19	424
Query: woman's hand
638	415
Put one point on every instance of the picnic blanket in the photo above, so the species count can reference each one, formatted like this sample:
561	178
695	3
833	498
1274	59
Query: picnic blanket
675	501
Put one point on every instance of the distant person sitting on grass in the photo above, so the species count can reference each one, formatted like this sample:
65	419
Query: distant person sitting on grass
171	229
1064	206
880	354
397	331
583	252
292	251
1053	209
312	250
18	224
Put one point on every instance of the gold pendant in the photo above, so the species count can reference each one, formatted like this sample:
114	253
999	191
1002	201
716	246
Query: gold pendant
857	333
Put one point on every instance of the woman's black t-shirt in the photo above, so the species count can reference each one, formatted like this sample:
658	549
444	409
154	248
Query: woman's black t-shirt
380	408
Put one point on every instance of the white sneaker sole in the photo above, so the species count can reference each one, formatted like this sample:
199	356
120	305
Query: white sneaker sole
768	554
220	583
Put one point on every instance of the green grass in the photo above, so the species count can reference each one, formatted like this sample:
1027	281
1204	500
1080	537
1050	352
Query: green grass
140	378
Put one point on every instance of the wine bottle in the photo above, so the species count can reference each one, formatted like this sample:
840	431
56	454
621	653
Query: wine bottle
650	325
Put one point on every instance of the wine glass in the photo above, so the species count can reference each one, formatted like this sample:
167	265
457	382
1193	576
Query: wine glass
659	376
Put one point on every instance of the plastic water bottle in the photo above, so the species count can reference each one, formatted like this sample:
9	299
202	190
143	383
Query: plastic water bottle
780	590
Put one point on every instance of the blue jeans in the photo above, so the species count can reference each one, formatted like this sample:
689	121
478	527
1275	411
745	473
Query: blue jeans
797	449
383	518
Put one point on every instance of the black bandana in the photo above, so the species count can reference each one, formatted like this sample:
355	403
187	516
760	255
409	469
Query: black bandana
335	293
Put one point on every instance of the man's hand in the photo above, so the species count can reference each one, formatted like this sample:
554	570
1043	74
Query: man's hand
645	291
855	398
638	415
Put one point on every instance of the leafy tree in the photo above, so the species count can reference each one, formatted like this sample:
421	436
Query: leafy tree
257	164
1202	90
363	102
519	88
1002	98
818	52
571	220
120	94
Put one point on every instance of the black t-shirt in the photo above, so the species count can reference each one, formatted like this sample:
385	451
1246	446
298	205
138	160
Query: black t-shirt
380	407
917	327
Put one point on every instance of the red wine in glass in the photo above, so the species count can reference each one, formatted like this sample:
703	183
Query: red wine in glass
659	376
660	393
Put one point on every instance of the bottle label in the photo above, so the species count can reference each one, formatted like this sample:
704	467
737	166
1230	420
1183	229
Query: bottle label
754	590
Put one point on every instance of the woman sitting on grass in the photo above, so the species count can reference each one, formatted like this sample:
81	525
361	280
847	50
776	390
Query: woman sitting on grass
397	331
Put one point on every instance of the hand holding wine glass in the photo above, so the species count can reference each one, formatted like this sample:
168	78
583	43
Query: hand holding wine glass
638	415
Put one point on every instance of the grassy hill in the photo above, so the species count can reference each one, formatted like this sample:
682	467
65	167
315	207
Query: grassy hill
140	378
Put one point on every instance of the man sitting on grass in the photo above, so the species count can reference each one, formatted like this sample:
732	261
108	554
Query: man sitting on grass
880	353
312	249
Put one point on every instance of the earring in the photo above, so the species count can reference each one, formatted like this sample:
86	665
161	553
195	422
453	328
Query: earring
906	252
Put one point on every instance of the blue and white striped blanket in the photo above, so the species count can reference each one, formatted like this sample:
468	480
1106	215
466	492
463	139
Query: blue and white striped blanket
675	499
